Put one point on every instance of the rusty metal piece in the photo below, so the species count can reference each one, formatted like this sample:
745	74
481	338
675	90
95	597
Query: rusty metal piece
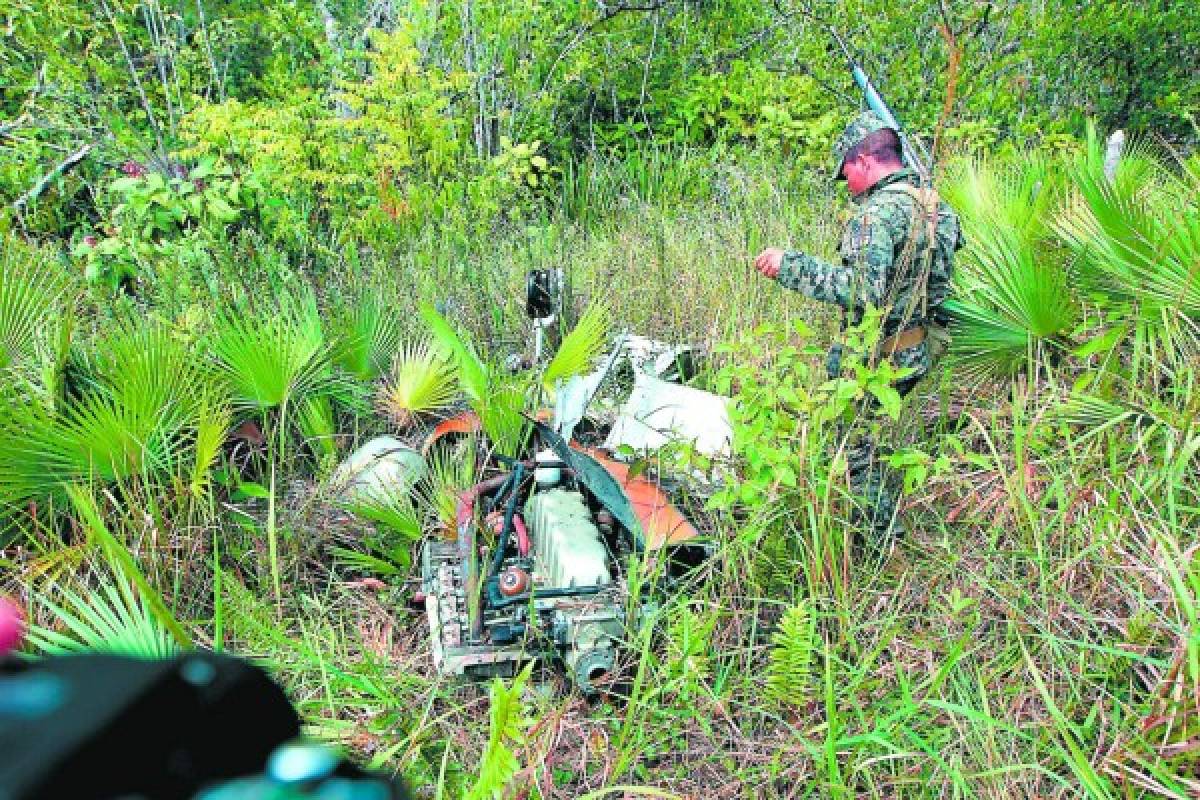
465	519
662	522
514	581
465	423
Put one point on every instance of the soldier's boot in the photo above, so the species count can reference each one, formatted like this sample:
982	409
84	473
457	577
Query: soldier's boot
877	498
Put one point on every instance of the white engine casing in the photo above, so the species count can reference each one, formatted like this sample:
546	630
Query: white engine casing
566	543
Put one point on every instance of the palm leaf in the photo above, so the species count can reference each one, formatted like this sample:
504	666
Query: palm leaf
1136	241
121	561
368	339
393	510
29	295
502	417
316	424
473	373
144	398
111	620
421	380
451	471
399	525
212	426
580	348
265	359
1012	298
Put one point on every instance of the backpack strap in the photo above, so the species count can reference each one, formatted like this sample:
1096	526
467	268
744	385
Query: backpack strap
928	202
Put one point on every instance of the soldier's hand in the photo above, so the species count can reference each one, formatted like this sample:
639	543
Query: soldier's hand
769	261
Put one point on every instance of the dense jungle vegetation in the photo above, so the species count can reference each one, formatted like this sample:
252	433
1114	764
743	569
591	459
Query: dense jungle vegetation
222	219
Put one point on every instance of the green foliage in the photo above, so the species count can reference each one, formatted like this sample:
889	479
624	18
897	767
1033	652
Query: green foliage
145	399
420	381
1131	243
30	291
369	337
111	620
580	348
508	725
1136	240
265	359
789	670
1012	299
452	471
398	524
780	400
1035	633
473	374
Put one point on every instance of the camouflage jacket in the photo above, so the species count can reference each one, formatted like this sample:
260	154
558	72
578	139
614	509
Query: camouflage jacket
886	261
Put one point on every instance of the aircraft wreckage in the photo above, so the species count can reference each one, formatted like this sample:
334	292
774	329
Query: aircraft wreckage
568	525
540	560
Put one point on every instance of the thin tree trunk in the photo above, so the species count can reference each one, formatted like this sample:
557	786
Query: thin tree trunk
137	82
66	165
471	62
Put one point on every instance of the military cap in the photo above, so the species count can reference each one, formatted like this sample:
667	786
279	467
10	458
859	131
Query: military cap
859	128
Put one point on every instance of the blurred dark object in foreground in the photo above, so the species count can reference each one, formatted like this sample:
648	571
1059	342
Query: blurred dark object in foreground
100	726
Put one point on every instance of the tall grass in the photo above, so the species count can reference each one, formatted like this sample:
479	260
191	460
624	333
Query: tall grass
1035	635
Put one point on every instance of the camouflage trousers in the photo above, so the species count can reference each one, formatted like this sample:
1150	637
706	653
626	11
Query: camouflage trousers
876	490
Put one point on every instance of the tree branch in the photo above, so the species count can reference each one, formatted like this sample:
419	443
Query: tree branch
66	165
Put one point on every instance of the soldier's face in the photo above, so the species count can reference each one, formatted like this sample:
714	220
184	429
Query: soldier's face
858	173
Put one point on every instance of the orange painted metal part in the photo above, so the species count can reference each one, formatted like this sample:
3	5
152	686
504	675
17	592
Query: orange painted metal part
466	422
662	522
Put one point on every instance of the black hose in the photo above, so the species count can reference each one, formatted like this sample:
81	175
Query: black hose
510	509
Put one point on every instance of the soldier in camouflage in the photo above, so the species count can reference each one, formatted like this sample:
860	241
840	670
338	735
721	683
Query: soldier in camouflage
897	254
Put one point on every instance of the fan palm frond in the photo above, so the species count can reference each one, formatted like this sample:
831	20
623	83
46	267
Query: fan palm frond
143	402
369	337
502	417
212	426
473	373
1136	240
580	348
451	471
316	424
1011	299
1018	198
421	380
29	295
111	620
265	359
398	524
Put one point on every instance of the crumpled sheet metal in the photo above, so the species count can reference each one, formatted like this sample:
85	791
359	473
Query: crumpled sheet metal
658	412
466	423
662	522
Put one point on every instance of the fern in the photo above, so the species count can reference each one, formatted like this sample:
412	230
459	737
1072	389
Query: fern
499	764
789	671
690	637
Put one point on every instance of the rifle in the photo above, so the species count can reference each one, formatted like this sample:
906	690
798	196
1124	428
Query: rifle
877	104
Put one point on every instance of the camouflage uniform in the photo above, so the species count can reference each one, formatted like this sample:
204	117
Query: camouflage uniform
886	262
